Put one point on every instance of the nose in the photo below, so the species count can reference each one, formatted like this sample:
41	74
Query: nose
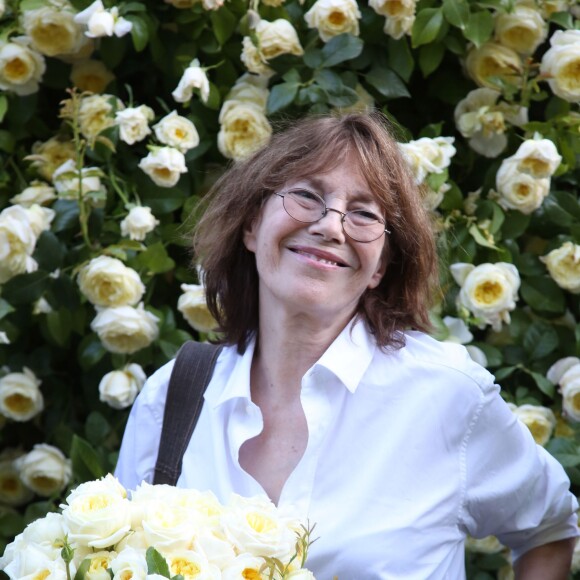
330	227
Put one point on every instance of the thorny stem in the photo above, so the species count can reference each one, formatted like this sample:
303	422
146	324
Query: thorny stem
116	186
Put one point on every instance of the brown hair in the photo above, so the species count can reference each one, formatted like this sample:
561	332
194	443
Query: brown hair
315	145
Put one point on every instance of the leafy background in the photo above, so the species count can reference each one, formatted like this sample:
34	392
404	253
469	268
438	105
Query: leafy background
417	80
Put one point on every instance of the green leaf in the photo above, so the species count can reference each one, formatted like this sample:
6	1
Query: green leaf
456	12
543	383
543	294
504	372
86	463
90	351
540	340
83	569
427	25
430	57
328	80
67	215
312	58
387	83
400	58
556	213
281	96
49	252
345	98
155	259
139	32
156	563
223	23
3	106
59	324
11	524
480	239
7	141
339	49
5	308
26	288
292	76
479	28
564	450
96	428
563	19
514	225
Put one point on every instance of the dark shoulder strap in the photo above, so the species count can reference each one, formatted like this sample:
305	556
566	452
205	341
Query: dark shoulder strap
191	374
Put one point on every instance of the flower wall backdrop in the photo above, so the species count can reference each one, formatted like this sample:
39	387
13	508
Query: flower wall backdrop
117	117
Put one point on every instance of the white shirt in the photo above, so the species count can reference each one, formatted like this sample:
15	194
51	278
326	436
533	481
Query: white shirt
408	451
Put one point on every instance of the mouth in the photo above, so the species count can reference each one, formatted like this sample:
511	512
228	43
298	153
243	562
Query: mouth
322	258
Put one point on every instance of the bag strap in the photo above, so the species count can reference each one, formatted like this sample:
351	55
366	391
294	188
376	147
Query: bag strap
190	377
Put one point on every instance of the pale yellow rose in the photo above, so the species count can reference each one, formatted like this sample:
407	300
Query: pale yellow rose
47	156
103	22
138	223
400	15
276	38
561	63
120	388
12	491
557	370
20	395
164	165
244	566
252	89
563	265
191	565
37	192
570	390
17	243
97	113
397	27
45	469
494	60
193	306
487	545
193	77
426	155
523	29
66	180
548	7
124	329
39	218
538	157
91	75
21	67
177	131
334	17
129	564
541	421
133	123
520	191
253	60
30	563
107	282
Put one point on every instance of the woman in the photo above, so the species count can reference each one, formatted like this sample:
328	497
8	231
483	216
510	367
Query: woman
318	256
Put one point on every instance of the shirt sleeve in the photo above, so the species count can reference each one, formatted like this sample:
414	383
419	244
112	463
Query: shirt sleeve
140	444
514	489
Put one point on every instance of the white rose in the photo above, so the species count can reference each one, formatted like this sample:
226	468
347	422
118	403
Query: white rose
193	77
129	564
276	38
21	68
557	370
560	64
494	60
32	563
52	31
120	388
563	265
488	291
253	60
45	469
520	191
90	75
192	565
523	29
47	156
193	306
570	390
107	282
251	89
12	491
169	526
133	123
101	22
138	223
100	565
428	155
164	165
302	574
17	242
97	513
487	545
244	566
37	192
244	130
40	218
20	396
539	420
125	329
400	15
177	131
397	27
334	17
538	157
66	180
97	113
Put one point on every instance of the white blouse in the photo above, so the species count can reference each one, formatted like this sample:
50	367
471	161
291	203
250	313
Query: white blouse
408	451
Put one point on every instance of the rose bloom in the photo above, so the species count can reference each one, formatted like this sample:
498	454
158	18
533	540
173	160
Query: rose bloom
538	157
107	282
244	130
17	242
47	156
541	421
570	390
561	366
32	563
193	77
253	60
523	29
561	63
487	545
252	89
428	155
101	22
277	37
40	218
400	15
520	191
193	306
45	469
191	565
97	113
333	17
120	388
52	31
138	223
397	27
125	329
243	566
12	491
20	396
488	291
177	131
564	266
129	564
168	525
133	123
66	180
164	165
90	75
100	565
37	192
493	60
21	67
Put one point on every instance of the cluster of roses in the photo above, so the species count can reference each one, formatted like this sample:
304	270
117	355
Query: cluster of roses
162	532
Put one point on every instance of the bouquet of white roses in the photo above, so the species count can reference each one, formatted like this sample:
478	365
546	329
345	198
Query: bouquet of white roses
162	532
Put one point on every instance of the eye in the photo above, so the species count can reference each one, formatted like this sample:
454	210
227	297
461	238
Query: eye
305	198
364	217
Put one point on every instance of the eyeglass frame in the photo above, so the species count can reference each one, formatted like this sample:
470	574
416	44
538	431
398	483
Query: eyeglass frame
325	212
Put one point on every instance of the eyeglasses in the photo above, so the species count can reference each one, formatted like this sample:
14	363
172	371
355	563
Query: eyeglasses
361	225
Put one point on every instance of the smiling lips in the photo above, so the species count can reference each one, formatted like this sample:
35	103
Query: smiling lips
319	256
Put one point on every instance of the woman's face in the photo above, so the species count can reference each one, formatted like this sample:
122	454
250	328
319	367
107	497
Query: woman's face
316	268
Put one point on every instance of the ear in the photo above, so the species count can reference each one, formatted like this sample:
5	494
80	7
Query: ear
379	272
250	235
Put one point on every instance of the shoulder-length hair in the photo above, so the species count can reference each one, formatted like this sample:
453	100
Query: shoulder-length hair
315	145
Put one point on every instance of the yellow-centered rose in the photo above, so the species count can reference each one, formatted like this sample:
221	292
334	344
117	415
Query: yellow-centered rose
334	17
492	63
45	470
20	396
21	67
563	265
561	64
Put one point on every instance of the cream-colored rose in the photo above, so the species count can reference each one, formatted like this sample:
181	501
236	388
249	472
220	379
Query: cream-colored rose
537	157
522	29
133	123
334	17
193	306
400	15
276	38
397	27
520	191
563	265
66	180
45	469
107	282
488	291
20	396
100	564
37	192
192	566
253	60
21	67
244	566
17	242
120	388
138	223
177	131
164	165
40	218
557	370
193	77
570	390
91	75
251	89
428	155
129	564
541	421
494	60
102	22
32	563
12	491
125	329
548	7
560	64
97	113
47	156
487	545
52	30
169	525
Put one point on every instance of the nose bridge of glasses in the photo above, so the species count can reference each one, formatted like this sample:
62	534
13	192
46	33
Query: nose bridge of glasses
340	213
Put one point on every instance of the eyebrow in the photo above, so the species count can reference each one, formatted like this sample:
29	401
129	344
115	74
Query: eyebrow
358	195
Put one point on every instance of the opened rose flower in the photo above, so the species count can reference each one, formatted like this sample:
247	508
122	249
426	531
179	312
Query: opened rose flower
492	60
20	395
97	113
427	155
49	155
193	306
193	78
560	64
400	15
37	192
138	223
541	421
522	29
21	67
91	75
164	165
133	123
120	388
66	180
570	390
538	157
520	191
103	22
563	265
45	470
334	17
177	131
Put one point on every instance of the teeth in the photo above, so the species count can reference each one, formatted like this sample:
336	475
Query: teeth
317	259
